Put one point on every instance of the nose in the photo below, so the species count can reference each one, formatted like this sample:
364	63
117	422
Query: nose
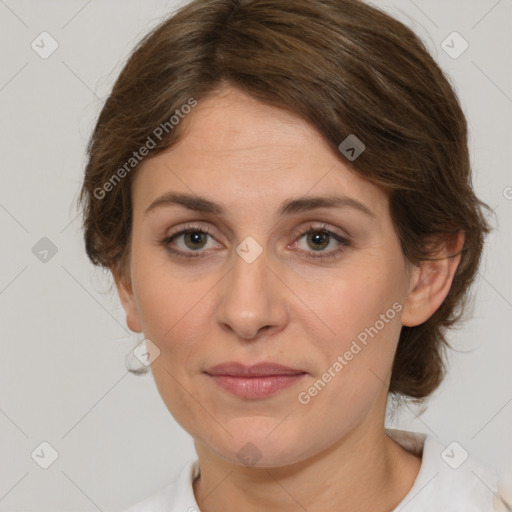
253	299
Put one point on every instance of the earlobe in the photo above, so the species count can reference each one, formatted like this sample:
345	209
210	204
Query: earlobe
127	298
431	281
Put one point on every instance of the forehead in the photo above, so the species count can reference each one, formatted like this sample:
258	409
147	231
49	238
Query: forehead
243	153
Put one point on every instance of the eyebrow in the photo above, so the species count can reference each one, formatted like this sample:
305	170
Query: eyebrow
288	207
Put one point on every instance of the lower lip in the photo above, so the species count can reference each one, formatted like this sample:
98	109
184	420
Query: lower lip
256	387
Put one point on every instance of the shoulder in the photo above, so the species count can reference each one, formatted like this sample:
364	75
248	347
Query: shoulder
176	496
449	478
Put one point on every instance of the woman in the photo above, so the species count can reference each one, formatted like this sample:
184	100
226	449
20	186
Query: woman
282	191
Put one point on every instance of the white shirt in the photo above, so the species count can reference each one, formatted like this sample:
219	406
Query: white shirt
448	481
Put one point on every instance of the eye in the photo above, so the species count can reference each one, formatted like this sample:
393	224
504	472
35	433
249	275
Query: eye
318	238
193	239
190	242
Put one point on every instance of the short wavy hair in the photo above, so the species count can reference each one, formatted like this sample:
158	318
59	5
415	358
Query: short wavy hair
347	68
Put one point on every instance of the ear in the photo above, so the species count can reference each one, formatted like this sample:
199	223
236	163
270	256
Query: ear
431	281
125	291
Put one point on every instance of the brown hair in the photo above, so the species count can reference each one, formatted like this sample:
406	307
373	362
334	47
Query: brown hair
347	68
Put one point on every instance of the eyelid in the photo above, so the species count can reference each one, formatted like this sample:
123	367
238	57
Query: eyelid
301	230
344	241
319	226
190	226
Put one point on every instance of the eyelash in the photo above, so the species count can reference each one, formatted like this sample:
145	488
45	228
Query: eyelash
311	228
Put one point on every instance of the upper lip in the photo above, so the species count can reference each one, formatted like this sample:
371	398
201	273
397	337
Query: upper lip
236	369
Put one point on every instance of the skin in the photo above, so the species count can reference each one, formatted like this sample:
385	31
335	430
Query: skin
331	453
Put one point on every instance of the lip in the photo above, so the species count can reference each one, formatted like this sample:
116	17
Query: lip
257	381
236	369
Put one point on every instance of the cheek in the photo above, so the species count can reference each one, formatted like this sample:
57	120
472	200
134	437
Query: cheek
166	297
364	313
175	312
361	299
362	309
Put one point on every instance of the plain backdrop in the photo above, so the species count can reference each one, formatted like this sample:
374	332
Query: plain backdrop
63	377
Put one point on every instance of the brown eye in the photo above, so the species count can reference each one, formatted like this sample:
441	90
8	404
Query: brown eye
190	242
319	240
195	239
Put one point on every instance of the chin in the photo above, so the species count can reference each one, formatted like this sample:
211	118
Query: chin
260	442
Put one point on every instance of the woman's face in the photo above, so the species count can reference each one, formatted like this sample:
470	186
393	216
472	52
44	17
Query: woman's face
254	289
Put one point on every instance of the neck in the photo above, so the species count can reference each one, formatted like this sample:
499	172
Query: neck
365	470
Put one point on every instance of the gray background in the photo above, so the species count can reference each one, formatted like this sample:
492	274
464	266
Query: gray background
63	378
